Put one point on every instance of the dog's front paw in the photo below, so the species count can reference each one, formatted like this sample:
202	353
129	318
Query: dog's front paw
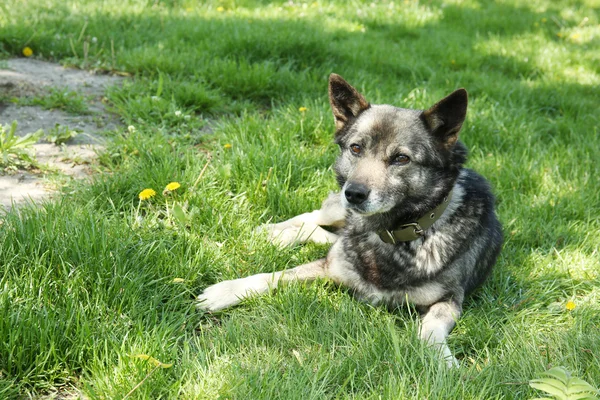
452	362
219	296
282	235
229	293
287	233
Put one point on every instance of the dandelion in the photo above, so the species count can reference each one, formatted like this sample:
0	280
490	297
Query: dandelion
146	194
575	36
544	20
131	128
172	186
220	9
302	109
570	305
27	52
453	62
155	98
227	146
178	113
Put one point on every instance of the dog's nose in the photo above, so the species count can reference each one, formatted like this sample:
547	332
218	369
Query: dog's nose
356	193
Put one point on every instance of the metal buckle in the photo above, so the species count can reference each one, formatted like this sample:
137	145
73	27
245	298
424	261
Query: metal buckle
417	228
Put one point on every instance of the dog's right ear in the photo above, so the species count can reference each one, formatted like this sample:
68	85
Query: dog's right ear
345	101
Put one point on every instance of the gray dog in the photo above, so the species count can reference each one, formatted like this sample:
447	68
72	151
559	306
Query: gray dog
412	223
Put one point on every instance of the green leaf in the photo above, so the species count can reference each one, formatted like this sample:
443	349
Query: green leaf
552	386
579	385
582	396
179	214
559	373
160	84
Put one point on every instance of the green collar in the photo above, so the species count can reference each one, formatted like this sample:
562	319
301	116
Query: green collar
415	230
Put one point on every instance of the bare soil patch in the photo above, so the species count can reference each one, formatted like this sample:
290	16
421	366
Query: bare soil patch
25	77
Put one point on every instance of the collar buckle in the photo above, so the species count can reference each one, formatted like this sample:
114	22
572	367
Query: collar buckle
417	228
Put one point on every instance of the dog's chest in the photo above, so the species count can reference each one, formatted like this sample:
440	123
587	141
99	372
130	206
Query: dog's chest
394	273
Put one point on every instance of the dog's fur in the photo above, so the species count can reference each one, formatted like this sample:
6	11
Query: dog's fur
396	165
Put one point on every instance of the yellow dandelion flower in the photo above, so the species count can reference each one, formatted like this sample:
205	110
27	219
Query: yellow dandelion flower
146	194
575	36
544	20
302	109
220	9
172	186
570	305
453	62
27	52
227	146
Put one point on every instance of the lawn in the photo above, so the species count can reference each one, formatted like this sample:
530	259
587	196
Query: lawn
229	98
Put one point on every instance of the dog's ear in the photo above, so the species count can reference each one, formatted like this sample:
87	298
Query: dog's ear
345	101
445	118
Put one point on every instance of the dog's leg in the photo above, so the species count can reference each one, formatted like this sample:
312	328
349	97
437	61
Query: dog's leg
307	227
229	293
436	325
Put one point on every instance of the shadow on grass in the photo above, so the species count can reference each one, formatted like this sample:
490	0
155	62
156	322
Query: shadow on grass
263	62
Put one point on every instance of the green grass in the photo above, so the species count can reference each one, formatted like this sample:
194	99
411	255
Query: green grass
58	99
87	281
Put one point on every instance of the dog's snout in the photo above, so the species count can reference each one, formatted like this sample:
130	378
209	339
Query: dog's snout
356	193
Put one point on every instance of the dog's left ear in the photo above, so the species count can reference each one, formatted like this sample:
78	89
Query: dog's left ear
445	118
346	102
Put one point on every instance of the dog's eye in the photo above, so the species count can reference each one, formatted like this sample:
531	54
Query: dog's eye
355	149
401	159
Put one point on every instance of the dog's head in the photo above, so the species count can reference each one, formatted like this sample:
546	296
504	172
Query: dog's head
393	156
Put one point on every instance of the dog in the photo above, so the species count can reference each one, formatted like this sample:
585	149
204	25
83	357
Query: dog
413	225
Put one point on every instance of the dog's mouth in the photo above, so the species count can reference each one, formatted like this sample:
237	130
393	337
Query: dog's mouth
359	209
369	206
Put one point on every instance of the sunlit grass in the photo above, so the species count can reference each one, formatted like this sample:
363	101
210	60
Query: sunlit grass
229	99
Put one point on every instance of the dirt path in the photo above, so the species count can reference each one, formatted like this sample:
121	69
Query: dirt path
24	77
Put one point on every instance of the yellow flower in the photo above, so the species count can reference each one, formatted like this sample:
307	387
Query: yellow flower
27	52
302	109
220	9
172	186
570	305
227	146
146	194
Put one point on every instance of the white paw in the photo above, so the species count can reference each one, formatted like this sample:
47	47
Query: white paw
451	362
282	235
287	233
449	359
219	296
229	293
